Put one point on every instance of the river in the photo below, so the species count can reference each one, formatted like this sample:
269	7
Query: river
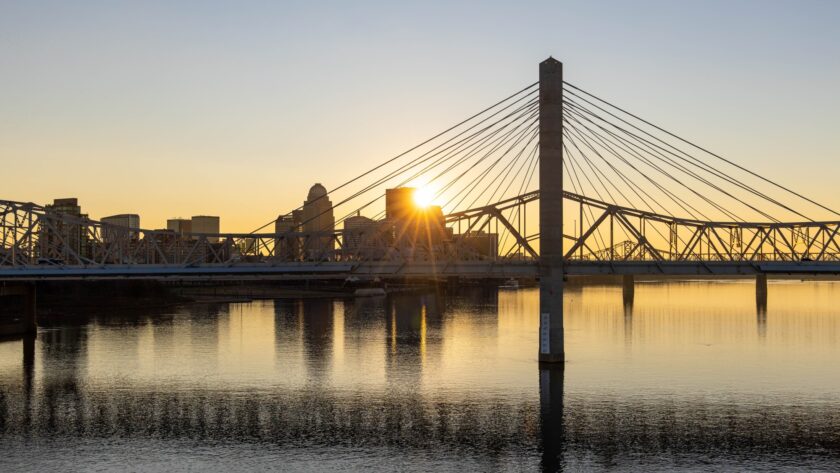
692	375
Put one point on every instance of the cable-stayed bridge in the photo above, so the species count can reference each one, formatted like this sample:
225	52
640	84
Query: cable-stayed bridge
552	180
635	199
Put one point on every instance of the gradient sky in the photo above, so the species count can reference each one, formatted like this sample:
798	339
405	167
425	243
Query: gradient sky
235	108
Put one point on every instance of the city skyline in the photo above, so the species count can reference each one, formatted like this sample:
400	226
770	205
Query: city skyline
240	124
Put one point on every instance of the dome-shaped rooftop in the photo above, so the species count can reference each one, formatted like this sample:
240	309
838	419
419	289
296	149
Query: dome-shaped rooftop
316	192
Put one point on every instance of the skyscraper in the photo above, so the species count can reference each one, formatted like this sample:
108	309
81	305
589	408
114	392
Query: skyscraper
179	225
287	246
206	224
63	240
317	219
111	230
413	228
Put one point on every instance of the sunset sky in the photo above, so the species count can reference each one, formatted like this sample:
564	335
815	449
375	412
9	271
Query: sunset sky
236	108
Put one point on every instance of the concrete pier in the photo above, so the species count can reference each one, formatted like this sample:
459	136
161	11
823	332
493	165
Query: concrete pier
551	212
628	289
761	290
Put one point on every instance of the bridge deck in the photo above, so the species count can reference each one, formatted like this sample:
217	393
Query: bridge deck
416	270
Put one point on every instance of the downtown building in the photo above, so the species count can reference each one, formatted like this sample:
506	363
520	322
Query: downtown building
318	225
60	239
413	231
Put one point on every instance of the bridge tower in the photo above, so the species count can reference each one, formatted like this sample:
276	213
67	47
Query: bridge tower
551	211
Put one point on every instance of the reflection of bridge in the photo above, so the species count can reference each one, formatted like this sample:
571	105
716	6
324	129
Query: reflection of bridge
642	201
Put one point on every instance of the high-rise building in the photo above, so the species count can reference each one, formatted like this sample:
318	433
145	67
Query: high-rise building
400	210
480	245
206	224
411	227
317	219
110	233
399	203
179	225
362	237
287	246
62	240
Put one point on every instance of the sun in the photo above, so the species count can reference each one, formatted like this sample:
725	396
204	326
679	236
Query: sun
423	197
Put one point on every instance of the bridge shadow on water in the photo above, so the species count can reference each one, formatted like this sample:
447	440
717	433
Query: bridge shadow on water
377	375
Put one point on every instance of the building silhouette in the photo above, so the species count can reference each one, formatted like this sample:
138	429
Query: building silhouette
114	225
206	224
56	233
414	230
286	243
180	226
318	225
363	238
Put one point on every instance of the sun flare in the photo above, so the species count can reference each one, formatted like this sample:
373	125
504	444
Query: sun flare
423	197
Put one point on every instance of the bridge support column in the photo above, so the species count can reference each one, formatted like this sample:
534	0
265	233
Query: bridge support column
551	212
761	291
628	289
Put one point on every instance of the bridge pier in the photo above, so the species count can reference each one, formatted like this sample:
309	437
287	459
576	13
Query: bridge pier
628	289
761	290
551	212
17	309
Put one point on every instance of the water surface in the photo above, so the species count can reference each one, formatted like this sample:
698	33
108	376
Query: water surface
692	375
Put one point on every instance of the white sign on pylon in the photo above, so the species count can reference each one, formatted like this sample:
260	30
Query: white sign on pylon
545	336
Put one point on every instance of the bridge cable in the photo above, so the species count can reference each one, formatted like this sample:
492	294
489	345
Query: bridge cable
664	158
412	164
732	163
680	202
404	153
699	178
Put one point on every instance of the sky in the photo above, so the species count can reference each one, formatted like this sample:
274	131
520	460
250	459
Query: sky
182	108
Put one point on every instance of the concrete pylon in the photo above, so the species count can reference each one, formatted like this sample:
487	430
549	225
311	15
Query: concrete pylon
551	212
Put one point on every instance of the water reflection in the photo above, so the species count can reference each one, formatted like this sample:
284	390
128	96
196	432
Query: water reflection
677	377
552	438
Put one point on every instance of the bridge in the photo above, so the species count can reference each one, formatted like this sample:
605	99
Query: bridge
550	181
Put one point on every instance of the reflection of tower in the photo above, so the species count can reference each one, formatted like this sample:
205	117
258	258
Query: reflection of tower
317	217
413	326
28	376
318	325
628	296
551	415
761	318
204	332
406	326
761	304
63	354
628	321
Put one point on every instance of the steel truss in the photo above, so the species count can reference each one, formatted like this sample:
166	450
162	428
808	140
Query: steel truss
32	236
